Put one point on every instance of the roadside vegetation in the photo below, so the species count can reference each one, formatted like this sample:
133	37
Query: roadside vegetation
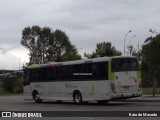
11	85
149	91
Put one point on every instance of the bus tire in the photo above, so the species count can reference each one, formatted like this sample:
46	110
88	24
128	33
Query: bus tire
36	97
77	97
102	102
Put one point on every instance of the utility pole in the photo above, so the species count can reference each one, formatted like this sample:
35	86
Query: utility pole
131	46
125	42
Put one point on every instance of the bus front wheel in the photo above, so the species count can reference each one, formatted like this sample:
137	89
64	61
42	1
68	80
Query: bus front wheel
77	97
37	97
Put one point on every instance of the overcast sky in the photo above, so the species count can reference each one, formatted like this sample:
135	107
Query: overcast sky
86	22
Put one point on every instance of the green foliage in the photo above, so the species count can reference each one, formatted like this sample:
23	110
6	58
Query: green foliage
148	91
45	45
150	61
135	52
7	84
11	85
147	77
150	51
130	49
104	49
71	54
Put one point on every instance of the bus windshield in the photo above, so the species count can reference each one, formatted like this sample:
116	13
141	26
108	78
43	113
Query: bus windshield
124	64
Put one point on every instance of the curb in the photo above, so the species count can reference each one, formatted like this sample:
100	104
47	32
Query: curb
142	99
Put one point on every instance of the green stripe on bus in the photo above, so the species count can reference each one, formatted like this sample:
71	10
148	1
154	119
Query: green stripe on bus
138	74
110	73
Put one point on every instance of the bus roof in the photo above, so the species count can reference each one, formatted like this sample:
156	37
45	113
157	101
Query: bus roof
99	59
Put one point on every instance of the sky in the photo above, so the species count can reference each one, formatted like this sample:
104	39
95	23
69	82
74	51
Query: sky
86	22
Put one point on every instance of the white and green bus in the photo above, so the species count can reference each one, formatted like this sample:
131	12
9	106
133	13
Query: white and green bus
100	79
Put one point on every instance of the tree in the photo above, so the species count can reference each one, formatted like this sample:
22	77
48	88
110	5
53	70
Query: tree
130	49
30	40
104	49
151	57
45	45
71	54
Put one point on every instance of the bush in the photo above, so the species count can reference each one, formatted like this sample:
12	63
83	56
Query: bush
11	85
149	91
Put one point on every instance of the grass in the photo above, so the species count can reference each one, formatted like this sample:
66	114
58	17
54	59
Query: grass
149	91
9	94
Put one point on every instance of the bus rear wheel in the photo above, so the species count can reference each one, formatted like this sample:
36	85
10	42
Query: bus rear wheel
77	97
36	97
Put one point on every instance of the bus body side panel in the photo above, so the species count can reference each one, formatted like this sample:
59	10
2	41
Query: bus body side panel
27	92
52	90
94	90
104	90
90	90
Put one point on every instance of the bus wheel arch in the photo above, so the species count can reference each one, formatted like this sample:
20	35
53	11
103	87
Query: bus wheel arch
36	96
77	97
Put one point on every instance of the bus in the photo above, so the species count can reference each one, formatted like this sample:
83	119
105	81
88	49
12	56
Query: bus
100	79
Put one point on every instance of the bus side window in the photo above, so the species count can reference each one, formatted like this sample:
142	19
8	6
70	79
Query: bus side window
60	73
41	74
94	71
34	75
52	74
68	70
87	71
26	76
117	64
77	72
30	75
101	70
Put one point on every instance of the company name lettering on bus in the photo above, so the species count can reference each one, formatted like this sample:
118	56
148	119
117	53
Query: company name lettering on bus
82	73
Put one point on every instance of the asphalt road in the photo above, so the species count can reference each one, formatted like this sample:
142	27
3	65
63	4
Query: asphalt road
17	103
